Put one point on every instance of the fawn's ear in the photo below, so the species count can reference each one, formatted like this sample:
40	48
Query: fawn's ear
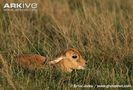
56	60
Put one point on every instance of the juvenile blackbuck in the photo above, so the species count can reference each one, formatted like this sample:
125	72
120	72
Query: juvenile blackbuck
67	61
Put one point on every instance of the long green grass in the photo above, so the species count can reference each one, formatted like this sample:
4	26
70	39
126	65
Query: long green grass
102	30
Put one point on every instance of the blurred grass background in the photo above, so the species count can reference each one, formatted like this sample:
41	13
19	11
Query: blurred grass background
102	30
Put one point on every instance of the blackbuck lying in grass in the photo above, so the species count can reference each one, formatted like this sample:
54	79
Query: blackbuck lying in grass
67	61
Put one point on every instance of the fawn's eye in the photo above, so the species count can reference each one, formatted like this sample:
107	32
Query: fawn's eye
74	56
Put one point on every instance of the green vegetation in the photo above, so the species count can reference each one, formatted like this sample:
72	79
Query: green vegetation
102	30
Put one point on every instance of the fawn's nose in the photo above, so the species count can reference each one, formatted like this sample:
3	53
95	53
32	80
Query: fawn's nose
85	63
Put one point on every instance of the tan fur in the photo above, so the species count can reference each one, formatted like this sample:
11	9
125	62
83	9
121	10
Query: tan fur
30	61
66	63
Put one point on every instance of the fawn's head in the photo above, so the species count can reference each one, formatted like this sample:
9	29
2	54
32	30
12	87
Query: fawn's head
69	59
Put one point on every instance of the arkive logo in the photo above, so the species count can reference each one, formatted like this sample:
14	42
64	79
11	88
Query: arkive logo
20	6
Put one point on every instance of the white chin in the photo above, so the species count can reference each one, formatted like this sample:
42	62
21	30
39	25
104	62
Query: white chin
81	67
